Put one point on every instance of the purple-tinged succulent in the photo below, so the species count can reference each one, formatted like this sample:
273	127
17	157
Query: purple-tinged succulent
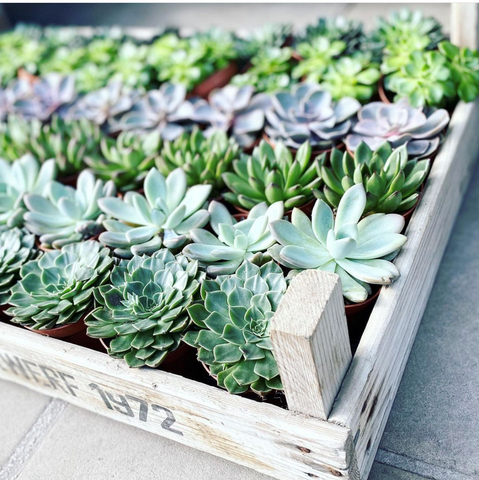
165	110
399	124
308	113
235	110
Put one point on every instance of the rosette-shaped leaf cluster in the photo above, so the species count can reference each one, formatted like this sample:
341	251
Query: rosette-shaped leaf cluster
391	181
351	248
235	242
234	320
235	110
57	288
203	159
143	307
269	35
165	215
164	110
65	215
16	248
307	113
272	176
398	124
126	160
23	176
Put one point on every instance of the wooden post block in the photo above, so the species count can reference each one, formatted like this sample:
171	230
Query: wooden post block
311	343
465	24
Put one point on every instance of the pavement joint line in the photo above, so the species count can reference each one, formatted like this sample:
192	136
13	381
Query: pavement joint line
417	467
32	439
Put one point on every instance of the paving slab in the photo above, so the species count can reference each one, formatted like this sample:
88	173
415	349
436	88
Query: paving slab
82	445
435	417
19	408
381	471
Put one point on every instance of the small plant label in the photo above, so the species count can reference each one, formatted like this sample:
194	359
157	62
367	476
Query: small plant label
66	384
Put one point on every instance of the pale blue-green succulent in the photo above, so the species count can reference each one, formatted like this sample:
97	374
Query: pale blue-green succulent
234	322
234	242
64	215
344	245
23	176
165	215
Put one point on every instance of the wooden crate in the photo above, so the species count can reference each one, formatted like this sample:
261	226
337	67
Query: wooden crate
338	404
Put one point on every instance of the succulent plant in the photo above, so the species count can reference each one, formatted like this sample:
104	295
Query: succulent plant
233	339
269	72
316	56
354	77
424	80
234	110
218	44
344	245
269	35
64	215
23	176
164	216
104	104
164	110
143	307
16	248
65	141
307	113
130	68
235	242
203	160
162	48
337	28
390	180
403	33
464	66
398	124
271	176
90	77
57	288
126	160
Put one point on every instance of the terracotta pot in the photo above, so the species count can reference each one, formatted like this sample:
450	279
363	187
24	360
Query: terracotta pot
218	79
314	153
382	91
63	331
22	74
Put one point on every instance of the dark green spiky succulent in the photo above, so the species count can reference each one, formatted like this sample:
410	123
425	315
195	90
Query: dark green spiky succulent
126	160
66	141
57	288
390	180
234	321
16	248
203	159
143	307
271	176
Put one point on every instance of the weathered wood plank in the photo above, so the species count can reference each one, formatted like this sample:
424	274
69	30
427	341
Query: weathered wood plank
371	383
264	437
310	338
465	24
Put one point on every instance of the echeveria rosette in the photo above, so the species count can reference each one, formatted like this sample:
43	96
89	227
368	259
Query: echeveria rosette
16	248
424	80
344	245
165	215
269	35
391	180
234	242
164	110
57	288
398	124
143	307
234	322
308	114
23	176
203	160
234	110
464	66
127	159
66	215
271	176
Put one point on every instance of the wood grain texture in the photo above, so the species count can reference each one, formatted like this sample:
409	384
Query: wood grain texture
264	437
310	339
464	24
371	383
